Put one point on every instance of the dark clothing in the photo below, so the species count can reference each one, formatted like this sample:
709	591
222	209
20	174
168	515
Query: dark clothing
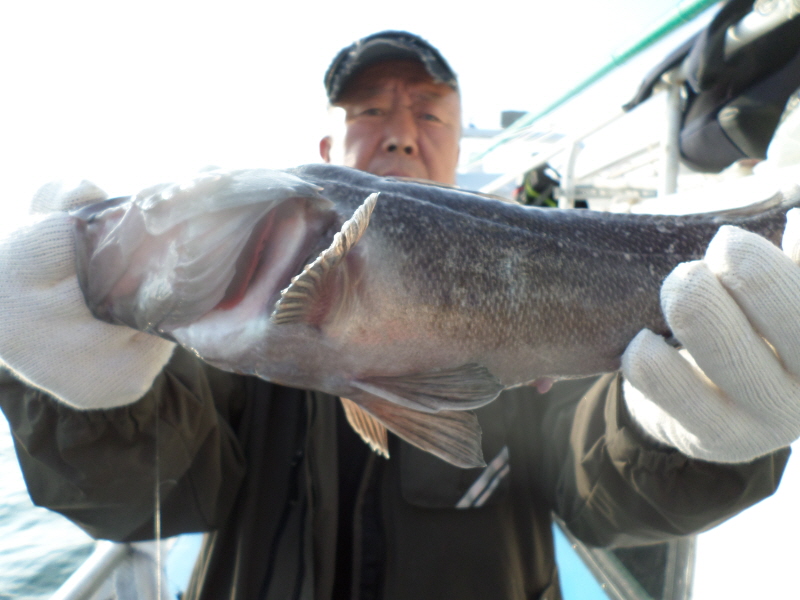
257	465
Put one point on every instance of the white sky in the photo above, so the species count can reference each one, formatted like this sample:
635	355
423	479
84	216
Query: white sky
131	93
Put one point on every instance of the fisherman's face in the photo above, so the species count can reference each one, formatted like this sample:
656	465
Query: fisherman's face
398	122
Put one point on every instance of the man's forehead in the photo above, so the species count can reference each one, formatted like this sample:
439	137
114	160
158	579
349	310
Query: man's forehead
380	77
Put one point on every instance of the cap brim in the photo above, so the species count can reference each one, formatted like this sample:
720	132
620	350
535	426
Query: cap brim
380	49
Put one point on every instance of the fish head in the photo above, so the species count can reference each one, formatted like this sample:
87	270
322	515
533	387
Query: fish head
226	242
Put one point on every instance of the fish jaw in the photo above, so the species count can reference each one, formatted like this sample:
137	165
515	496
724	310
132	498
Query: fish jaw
145	264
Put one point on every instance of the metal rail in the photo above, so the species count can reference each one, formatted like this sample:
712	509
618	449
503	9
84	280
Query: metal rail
681	14
766	16
86	581
91	580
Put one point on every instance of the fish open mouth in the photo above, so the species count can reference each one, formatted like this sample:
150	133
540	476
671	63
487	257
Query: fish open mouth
280	245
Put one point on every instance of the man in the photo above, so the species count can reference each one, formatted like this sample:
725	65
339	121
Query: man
398	121
294	503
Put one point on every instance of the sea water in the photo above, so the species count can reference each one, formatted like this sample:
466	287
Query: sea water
39	549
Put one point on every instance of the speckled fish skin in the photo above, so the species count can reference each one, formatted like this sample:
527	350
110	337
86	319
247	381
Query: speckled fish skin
554	293
444	278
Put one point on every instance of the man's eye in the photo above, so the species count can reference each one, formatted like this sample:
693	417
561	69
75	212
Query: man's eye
372	112
430	117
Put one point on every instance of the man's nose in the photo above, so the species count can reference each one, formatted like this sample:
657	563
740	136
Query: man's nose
401	133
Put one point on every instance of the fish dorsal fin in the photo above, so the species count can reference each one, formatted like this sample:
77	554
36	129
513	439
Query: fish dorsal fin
467	386
297	301
367	426
454	436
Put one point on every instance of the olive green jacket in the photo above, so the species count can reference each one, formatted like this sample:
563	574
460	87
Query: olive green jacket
255	464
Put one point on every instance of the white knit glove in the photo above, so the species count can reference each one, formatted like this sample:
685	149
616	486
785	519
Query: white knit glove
48	337
737	314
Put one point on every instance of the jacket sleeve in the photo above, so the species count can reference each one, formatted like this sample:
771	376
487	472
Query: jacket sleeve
98	468
614	487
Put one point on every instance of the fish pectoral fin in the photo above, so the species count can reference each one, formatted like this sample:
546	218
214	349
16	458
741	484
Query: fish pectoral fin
467	386
368	427
299	302
452	435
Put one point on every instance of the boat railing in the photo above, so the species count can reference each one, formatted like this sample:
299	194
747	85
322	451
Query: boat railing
89	579
153	570
664	149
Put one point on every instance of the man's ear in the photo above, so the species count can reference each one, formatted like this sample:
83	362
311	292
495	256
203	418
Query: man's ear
325	148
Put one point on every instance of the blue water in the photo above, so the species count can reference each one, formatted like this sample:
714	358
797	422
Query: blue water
39	549
577	581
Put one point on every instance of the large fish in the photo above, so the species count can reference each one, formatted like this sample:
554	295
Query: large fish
415	302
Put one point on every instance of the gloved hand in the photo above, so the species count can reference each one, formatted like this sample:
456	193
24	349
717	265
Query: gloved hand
737	314
48	337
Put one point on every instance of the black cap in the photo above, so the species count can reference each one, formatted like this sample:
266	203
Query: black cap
385	45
